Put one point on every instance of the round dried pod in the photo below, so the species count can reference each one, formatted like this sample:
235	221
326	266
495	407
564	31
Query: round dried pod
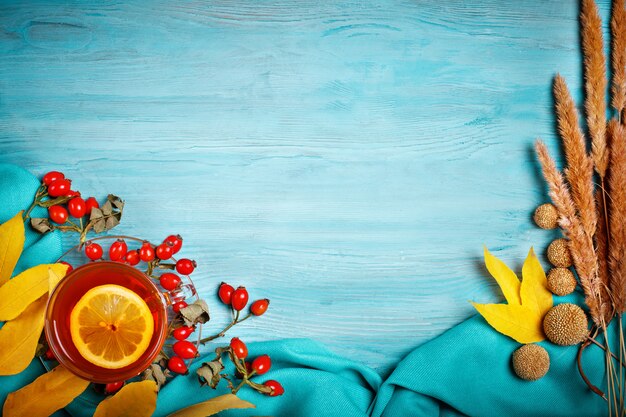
565	324
546	216
561	281
558	253
531	362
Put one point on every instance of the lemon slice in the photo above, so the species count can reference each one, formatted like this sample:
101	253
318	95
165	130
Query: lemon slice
111	326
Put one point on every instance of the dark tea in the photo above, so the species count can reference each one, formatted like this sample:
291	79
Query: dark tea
105	286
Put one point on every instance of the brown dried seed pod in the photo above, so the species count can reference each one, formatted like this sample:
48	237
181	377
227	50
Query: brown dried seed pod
561	281
531	362
558	253
565	324
546	216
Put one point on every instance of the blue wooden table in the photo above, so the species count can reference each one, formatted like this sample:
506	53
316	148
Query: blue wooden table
348	160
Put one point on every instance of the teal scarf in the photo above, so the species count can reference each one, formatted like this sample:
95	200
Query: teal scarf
465	371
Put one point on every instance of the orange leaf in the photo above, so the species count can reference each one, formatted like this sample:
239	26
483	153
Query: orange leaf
213	406
11	244
137	399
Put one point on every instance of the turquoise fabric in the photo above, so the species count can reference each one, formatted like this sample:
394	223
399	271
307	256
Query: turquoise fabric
465	371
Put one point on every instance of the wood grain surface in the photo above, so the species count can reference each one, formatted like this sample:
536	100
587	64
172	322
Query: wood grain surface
347	160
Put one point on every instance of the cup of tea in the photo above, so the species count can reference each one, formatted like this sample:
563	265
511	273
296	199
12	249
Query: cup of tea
106	321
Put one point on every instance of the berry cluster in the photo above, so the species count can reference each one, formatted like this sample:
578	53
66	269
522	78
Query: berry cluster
56	195
246	370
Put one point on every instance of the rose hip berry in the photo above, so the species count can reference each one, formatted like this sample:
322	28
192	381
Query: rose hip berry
73	194
146	252
177	365
52	176
182	332
261	364
259	307
113	387
90	204
225	293
169	281
185	266
176	241
178	306
277	389
57	214
132	257
185	349
164	251
93	251
59	187
77	207
118	250
239	299
239	348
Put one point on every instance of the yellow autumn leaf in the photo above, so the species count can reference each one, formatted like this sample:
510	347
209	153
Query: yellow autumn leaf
19	337
213	406
520	323
11	244
45	395
23	289
506	279
534	290
137	399
54	279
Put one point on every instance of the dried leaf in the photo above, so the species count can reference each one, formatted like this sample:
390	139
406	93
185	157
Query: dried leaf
11	244
111	222
213	406
507	280
25	288
137	399
197	312
107	208
520	323
117	202
209	373
45	395
19	338
40	224
155	373
96	213
99	225
534	290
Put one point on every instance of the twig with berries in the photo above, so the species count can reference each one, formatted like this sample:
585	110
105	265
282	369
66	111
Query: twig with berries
62	202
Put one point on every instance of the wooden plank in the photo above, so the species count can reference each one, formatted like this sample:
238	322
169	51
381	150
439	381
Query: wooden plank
345	159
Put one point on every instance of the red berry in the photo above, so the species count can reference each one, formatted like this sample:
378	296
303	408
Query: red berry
185	349
177	306
52	176
70	268
93	251
49	355
177	365
240	298
132	257
59	187
277	389
259	307
239	348
261	364
176	241
183	332
169	281
164	251
57	214
118	250
91	203
146	252
225	293
77	207
73	193
113	387
185	266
